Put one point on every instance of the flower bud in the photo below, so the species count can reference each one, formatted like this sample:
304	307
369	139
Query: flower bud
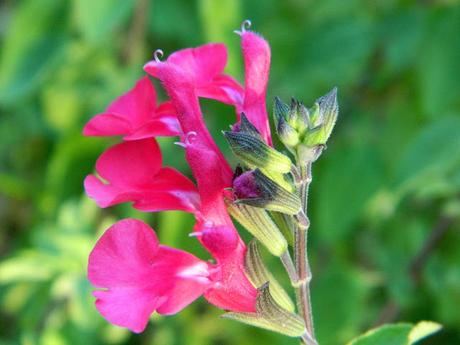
247	144
323	118
256	189
288	135
280	110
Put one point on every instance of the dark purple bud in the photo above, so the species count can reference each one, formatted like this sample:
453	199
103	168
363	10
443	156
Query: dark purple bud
245	186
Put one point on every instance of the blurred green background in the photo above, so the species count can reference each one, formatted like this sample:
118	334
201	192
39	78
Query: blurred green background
385	208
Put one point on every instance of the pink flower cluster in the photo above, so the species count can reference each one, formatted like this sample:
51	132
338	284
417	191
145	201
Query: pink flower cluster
134	274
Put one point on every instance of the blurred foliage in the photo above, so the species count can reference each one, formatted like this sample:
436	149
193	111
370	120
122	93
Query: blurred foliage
385	239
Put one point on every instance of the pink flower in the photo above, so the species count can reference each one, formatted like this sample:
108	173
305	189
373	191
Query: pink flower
140	276
256	54
134	174
204	66
135	115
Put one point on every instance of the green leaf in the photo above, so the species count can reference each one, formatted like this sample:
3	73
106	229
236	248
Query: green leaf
351	175
439	61
434	154
397	334
31	47
98	19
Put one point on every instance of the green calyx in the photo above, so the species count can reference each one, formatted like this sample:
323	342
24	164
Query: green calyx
247	144
270	315
260	225
267	194
258	274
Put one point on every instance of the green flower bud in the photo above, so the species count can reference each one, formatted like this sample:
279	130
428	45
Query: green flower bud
323	117
288	135
246	144
280	109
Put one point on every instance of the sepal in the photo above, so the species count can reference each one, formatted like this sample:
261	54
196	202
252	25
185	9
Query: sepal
247	144
260	225
259	275
271	316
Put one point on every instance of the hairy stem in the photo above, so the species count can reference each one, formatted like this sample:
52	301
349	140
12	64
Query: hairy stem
289	267
301	254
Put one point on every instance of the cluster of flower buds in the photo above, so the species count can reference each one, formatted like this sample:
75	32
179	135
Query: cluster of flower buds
305	131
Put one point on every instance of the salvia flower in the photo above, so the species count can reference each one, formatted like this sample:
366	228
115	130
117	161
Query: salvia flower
134	274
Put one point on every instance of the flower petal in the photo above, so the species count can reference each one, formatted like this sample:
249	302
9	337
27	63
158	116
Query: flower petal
130	163
140	276
256	54
234	291
204	66
133	173
132	111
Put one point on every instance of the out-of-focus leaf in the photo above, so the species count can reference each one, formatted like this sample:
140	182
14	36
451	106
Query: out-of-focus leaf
439	62
397	334
325	62
350	177
29	266
332	305
433	155
97	20
35	37
402	34
219	18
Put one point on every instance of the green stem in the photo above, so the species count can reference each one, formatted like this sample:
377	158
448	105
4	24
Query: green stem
301	254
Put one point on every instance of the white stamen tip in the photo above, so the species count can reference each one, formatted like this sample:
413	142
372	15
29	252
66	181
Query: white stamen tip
245	25
195	234
189	137
158	54
178	143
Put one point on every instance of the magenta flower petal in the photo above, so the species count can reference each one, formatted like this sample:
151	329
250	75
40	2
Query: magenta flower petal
233	291
133	173
204	67
139	276
256	54
135	116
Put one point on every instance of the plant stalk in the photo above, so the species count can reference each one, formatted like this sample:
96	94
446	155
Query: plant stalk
301	254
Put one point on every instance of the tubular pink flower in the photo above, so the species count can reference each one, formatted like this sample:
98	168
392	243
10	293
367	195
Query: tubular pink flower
133	171
204	67
256	54
213	175
140	276
135	115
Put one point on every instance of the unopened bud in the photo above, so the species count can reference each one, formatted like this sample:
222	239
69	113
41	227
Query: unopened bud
256	189
324	117
288	135
247	145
